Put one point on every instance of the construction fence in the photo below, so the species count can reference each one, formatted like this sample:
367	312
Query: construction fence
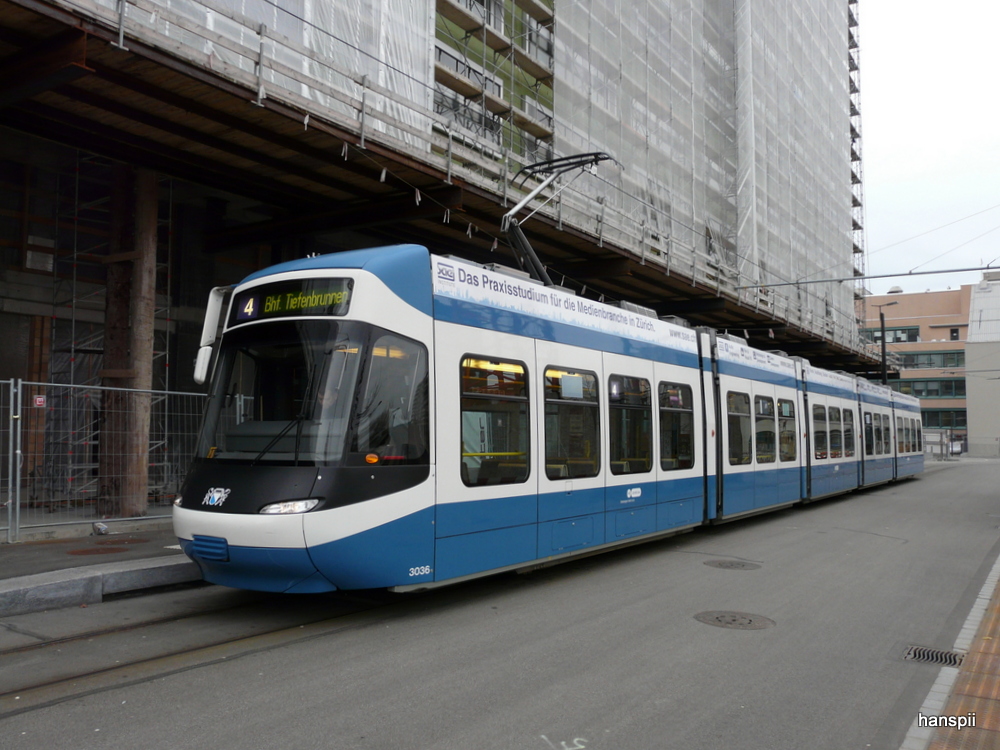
63	453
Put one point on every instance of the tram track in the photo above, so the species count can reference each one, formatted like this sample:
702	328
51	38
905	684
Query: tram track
48	673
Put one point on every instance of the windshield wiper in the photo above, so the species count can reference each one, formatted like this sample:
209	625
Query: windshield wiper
284	431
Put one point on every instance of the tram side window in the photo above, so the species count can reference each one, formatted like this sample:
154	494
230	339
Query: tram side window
764	424
886	434
900	436
848	433
495	435
869	435
819	432
908	424
920	435
630	424
787	431
740	429
676	427
391	425
879	450
836	433
572	424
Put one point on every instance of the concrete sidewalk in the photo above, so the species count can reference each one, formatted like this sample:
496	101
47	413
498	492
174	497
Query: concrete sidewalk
74	570
962	710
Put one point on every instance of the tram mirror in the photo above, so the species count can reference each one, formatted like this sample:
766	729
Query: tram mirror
201	364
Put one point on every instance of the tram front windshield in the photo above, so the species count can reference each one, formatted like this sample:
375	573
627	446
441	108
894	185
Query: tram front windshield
283	392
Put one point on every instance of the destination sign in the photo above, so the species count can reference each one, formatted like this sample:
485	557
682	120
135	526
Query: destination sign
289	299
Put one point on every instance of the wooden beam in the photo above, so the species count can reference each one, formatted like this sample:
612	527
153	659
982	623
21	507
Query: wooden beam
815	347
44	66
238	124
694	306
396	210
63	127
595	269
122	374
117	257
282	166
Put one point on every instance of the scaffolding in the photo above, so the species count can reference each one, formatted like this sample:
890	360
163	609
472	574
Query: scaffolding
734	123
67	227
860	248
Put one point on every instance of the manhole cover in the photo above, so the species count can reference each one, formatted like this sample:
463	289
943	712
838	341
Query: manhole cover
732	564
115	542
735	620
97	550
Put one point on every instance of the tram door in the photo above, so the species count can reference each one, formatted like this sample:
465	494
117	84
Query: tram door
738	468
765	446
487	459
572	436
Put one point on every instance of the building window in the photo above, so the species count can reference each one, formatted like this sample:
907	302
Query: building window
925	360
491	11
954	388
909	334
538	42
942	419
954	334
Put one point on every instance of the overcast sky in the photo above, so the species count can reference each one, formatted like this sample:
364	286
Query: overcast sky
930	114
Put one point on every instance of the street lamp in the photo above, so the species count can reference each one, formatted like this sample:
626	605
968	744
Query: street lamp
881	320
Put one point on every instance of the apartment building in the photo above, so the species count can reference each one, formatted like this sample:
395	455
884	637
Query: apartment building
925	336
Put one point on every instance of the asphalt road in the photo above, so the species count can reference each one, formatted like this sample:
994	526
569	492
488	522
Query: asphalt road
601	653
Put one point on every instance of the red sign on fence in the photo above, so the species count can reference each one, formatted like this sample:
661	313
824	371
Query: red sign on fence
39	400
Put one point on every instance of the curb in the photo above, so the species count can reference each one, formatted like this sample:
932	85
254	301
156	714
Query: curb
89	585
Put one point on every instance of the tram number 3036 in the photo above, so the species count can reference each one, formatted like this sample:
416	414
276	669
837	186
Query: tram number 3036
420	570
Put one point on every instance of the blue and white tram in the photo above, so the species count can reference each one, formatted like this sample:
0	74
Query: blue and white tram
762	456
878	464
831	409
909	436
389	418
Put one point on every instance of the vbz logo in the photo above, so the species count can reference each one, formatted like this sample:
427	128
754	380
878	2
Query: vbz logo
634	493
216	496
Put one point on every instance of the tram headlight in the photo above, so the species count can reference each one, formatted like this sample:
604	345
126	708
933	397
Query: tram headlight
290	506
178	501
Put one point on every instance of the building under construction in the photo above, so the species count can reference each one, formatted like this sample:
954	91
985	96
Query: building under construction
153	149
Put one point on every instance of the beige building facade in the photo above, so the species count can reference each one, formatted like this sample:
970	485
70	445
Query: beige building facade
926	337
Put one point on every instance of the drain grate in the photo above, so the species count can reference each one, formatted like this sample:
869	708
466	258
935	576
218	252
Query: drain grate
928	655
732	564
735	620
